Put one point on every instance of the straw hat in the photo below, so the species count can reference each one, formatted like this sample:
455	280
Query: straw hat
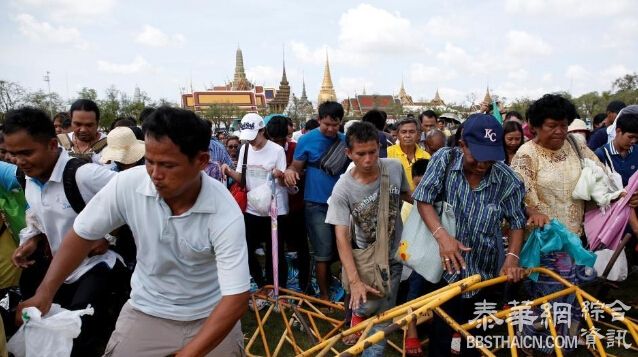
122	146
577	125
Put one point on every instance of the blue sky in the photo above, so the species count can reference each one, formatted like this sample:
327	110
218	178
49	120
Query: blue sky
517	47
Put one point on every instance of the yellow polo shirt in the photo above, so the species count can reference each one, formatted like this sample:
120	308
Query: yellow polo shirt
395	152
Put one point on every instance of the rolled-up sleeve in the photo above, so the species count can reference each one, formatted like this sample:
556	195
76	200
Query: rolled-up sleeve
432	182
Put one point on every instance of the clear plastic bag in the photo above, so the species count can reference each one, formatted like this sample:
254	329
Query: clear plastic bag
259	198
48	335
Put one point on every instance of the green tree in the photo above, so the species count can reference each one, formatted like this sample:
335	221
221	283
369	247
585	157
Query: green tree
87	93
589	104
49	102
214	113
629	82
12	96
109	107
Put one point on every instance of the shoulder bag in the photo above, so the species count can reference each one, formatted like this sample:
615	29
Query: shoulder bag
419	249
238	189
372	262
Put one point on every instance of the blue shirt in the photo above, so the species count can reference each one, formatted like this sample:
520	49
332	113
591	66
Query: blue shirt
625	166
598	138
218	156
478	212
8	179
310	147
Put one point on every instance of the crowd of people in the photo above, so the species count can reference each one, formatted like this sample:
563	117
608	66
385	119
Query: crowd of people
159	224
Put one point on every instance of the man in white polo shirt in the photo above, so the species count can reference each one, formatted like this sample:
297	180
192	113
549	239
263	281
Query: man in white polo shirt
30	139
190	285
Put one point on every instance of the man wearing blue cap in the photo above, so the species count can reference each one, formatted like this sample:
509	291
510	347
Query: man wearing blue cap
482	191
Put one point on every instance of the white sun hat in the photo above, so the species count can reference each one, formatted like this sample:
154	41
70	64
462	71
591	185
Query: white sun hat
122	146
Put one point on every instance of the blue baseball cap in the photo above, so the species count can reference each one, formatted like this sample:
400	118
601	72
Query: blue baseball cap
483	135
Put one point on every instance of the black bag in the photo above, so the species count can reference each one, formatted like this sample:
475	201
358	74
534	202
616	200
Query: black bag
334	161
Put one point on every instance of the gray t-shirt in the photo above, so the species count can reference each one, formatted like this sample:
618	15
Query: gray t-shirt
350	197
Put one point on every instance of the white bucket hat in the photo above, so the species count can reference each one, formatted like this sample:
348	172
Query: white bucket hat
122	146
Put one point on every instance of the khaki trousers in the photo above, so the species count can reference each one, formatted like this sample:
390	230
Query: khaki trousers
138	334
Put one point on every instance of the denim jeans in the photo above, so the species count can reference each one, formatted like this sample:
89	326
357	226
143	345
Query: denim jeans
376	306
320	233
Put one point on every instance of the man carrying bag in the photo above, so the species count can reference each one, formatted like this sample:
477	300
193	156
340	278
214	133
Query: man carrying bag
371	194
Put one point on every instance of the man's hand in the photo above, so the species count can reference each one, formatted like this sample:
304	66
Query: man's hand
225	168
291	177
633	201
20	257
99	247
42	300
450	250
538	220
512	269
359	293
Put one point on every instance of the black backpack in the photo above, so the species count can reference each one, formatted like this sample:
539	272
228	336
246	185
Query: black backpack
69	182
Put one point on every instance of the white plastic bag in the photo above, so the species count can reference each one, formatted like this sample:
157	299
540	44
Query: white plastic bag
259	198
618	271
48	335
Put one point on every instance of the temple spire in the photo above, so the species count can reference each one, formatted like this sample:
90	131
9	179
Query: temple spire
280	102
327	92
240	82
304	97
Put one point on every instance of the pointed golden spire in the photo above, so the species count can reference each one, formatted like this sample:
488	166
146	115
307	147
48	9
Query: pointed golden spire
488	98
280	102
239	79
327	92
437	101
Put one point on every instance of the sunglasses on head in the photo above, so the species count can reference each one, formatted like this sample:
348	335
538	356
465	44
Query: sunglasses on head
232	146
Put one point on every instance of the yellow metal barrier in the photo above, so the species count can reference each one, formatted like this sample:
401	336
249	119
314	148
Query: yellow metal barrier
322	330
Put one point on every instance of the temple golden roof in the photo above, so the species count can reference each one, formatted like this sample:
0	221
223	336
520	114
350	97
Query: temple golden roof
240	82
327	92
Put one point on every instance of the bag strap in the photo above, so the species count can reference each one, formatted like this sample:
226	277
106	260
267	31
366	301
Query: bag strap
242	183
65	141
71	190
448	168
99	145
574	144
333	146
381	252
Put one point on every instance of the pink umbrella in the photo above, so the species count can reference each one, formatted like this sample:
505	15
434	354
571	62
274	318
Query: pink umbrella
607	228
274	237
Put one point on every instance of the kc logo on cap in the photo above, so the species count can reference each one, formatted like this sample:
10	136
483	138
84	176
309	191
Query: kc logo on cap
490	134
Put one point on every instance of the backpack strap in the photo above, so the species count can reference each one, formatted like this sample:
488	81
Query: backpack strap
65	141
99	145
22	178
70	184
574	144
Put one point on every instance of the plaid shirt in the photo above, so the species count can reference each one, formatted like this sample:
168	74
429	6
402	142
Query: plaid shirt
479	212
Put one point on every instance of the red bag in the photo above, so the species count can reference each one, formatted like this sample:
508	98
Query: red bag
238	189
240	195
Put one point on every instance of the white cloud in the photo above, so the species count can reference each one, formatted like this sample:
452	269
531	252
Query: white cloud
154	37
610	73
420	73
443	29
45	32
518	75
369	29
473	65
72	10
365	32
577	73
569	8
523	44
139	64
348	86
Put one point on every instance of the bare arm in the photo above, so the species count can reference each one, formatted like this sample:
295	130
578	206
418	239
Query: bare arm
407	197
511	266
291	175
223	318
358	289
449	248
228	171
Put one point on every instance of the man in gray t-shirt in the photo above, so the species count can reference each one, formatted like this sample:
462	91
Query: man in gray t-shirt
356	195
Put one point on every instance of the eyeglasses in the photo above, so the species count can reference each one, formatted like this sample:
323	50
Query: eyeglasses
232	146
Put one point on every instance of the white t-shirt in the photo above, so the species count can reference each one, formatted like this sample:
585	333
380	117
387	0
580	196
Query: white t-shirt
259	168
185	263
50	211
